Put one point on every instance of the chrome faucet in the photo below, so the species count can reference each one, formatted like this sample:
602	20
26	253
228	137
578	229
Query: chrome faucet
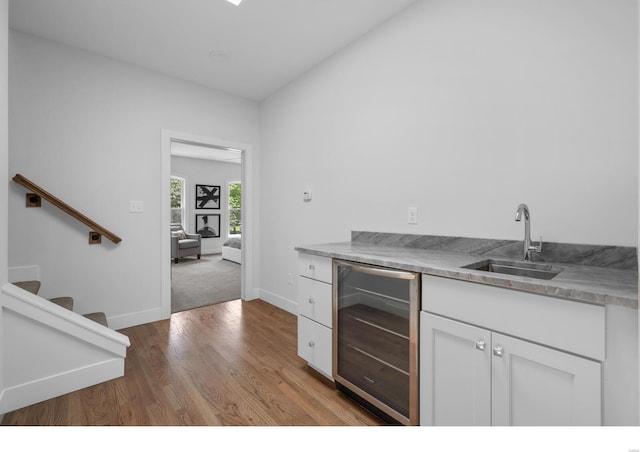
528	248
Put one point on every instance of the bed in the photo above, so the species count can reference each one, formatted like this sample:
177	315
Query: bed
232	250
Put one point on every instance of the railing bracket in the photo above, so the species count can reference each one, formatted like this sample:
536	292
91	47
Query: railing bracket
33	200
95	238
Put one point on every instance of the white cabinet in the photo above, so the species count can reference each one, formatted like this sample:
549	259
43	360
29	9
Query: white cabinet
314	345
315	267
536	385
315	312
455	373
499	362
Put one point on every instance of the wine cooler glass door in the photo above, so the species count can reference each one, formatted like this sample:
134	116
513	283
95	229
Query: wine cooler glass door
375	339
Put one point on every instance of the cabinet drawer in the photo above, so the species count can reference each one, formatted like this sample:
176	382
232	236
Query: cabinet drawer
567	325
314	345
315	267
314	300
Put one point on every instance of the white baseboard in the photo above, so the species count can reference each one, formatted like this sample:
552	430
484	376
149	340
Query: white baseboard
118	322
36	391
278	301
24	273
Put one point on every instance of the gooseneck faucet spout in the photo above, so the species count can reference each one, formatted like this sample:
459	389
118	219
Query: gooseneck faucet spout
527	247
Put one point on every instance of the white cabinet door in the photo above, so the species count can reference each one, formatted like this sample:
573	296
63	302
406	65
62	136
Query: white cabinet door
455	373
314	345
536	385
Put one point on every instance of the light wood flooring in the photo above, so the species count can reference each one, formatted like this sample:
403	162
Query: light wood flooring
232	363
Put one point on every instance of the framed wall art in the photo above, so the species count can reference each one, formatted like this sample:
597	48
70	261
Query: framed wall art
208	225
207	196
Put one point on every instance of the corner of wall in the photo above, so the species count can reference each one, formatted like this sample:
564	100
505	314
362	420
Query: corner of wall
4	167
638	227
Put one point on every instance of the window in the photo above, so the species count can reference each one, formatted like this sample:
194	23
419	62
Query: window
235	208
177	200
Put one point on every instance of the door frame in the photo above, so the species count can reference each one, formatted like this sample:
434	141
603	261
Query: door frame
247	291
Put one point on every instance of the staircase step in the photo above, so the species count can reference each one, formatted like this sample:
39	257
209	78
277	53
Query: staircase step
30	286
99	317
65	302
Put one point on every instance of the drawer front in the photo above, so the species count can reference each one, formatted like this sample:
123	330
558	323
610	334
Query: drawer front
314	345
567	325
314	300
315	267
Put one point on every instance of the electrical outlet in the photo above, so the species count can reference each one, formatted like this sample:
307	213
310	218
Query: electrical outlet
413	215
290	279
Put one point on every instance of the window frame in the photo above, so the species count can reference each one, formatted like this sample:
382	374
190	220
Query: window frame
183	202
231	209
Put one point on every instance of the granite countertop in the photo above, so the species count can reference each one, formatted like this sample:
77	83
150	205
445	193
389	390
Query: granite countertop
588	280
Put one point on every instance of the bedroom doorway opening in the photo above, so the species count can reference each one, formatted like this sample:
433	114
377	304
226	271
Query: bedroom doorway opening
209	269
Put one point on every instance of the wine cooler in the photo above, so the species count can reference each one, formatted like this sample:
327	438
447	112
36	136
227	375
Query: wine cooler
375	337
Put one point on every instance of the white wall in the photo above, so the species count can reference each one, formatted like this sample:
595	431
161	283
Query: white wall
206	172
463	109
88	129
4	157
4	129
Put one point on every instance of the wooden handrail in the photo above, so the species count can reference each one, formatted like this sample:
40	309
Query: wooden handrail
66	208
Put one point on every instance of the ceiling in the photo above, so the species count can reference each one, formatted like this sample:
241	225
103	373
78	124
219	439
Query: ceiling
250	50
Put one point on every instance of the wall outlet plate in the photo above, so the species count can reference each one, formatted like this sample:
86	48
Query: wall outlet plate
413	215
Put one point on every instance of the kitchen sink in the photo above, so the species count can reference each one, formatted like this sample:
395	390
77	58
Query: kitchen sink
526	269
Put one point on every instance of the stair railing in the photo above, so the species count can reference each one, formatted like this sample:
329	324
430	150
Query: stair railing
34	200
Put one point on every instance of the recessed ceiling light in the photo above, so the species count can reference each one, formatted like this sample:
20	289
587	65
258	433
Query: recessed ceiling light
235	2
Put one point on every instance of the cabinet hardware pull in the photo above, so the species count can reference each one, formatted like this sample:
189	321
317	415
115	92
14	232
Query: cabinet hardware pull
312	267
311	344
480	345
498	350
311	300
369	380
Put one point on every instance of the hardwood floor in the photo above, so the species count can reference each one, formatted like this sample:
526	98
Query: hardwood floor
232	363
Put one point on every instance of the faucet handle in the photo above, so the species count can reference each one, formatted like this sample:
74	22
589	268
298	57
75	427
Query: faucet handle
538	249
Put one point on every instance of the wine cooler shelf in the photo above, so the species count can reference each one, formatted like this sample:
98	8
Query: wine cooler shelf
381	336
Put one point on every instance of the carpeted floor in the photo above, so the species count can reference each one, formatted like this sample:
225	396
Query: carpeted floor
209	280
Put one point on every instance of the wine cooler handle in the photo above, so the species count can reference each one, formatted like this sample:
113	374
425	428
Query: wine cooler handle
397	274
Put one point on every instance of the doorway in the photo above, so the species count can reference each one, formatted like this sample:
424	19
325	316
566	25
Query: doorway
216	210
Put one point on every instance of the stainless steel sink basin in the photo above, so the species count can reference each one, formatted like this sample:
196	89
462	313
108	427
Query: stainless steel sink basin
526	269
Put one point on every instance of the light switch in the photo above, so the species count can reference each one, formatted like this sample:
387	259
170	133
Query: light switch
136	206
